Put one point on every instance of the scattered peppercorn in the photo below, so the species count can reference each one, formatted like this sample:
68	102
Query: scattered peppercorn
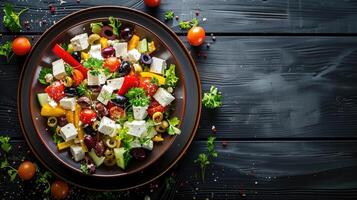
197	13
224	143
52	9
78	1
214	38
214	130
208	45
176	17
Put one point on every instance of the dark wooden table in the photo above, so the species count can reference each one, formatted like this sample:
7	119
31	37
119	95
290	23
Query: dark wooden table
287	70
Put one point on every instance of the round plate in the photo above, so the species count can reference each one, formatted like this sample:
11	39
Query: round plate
187	93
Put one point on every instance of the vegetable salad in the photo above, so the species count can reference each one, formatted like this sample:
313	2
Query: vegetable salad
107	98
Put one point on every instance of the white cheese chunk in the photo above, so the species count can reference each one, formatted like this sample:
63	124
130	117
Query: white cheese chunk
133	55
121	49
77	152
95	51
96	79
115	83
107	126
163	97
80	42
148	144
136	128
68	132
140	112
68	103
58	69
52	103
105	94
158	65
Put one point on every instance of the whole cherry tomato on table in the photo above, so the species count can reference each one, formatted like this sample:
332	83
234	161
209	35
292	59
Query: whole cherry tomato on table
112	63
21	46
149	87
77	77
87	116
155	107
26	170
56	90
196	36
152	3
59	189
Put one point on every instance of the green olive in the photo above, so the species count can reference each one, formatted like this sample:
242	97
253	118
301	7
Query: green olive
52	122
109	162
70	48
95	125
68	82
93	39
58	130
109	154
159	128
157	117
111	143
164	124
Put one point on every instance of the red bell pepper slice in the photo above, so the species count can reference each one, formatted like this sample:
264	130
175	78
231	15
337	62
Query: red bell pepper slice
68	58
129	82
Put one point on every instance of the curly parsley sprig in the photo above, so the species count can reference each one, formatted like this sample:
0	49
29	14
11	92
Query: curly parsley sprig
212	99
185	25
5	145
115	24
11	18
137	97
169	15
6	50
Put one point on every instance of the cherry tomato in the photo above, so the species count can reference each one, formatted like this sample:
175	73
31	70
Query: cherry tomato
21	46
87	116
112	63
152	3
116	112
26	170
196	36
129	82
59	189
77	77
149	87
55	91
155	107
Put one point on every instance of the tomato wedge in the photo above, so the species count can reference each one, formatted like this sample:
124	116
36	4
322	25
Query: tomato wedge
56	91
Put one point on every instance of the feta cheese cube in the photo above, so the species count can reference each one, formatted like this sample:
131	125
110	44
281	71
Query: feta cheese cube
77	152
105	94
140	112
133	55
68	132
121	49
163	97
107	126
80	42
68	103
136	128
96	79
58	69
158	65
115	83
148	144
52	102
95	51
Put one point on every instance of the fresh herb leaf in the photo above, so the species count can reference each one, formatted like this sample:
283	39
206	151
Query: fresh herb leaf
11	19
210	147
169	15
212	99
169	182
42	76
83	90
57	139
107	96
173	130
137	97
64	46
115	24
170	76
96	25
185	25
194	22
5	145
43	179
6	50
12	172
69	70
127	157
154	81
93	63
203	161
84	168
125	137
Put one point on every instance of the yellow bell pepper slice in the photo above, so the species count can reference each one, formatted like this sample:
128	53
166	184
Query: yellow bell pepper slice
85	55
103	42
70	116
80	131
133	42
161	79
49	111
65	145
158	138
151	47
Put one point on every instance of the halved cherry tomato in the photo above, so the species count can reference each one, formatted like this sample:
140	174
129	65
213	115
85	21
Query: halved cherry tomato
116	112
21	46
77	77
129	82
59	189
152	3
55	91
149	87
196	36
87	116
112	63
155	107
26	170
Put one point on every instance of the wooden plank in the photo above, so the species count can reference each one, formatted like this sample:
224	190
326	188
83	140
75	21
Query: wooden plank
273	87
243	170
223	16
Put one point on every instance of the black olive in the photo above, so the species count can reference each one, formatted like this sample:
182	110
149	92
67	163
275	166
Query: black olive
84	102
89	141
77	55
71	92
138	153
107	32
62	121
99	148
124	68
89	130
126	33
108	52
101	109
145	59
120	101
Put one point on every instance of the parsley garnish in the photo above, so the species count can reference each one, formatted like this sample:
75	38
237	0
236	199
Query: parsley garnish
12	172
83	90
11	19
57	139
173	130
44	180
84	169
115	24
6	50
96	27
212	99
5	145
154	81
96	66
69	70
42	76
169	15
125	137
188	24
203	158
137	97
170	76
